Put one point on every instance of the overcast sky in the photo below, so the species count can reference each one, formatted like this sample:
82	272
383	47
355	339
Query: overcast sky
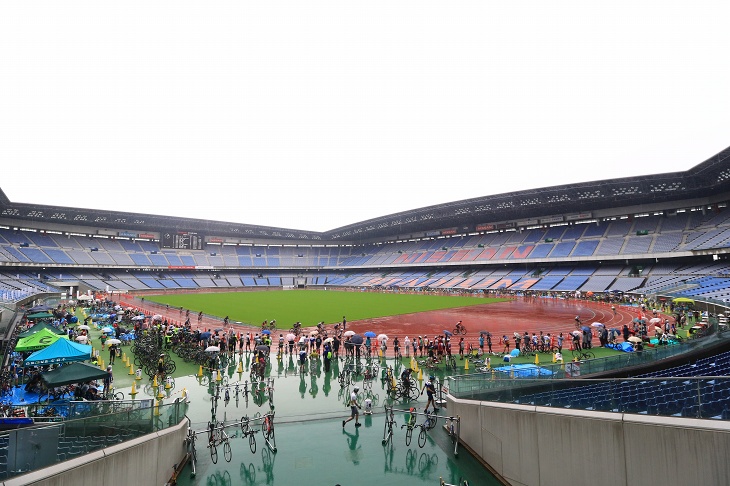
317	114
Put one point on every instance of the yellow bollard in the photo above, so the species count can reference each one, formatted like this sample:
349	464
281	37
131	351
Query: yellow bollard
200	372
555	360
240	367
134	389
157	409
219	376
537	359
131	371
420	375
154	382
184	393
493	377
466	364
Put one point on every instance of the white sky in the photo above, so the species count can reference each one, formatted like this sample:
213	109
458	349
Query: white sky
317	114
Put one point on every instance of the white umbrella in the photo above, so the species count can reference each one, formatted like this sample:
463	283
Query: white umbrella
382	337
113	341
349	333
83	327
138	318
157	317
597	324
328	340
291	337
314	333
212	349
658	330
82	338
117	307
576	333
635	339
655	320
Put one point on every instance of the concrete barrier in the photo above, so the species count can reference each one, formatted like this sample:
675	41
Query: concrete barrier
544	446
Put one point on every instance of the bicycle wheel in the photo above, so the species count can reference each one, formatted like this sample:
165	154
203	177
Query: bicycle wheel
265	427
244	425
589	355
118	396
214	454
413	393
252	443
227	454
422	437
577	353
409	434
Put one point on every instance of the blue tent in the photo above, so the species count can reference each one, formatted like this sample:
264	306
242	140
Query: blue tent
62	351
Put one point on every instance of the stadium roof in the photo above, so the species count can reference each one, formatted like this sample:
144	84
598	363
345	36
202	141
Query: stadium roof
705	180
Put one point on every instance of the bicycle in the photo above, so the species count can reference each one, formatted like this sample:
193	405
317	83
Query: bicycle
582	354
459	328
410	425
190	446
216	436
250	432
112	394
428	424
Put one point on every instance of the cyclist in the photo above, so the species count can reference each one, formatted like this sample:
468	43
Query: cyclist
354	408
405	378
430	389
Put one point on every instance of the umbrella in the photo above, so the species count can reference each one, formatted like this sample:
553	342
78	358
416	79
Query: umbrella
349	333
635	339
585	328
113	341
312	333
204	335
382	337
576	333
262	347
82	339
356	339
615	329
369	334
658	330
212	349
448	333
655	320
107	330
266	331
83	327
597	324
291	337
138	318
328	340
485	332
157	317
220	329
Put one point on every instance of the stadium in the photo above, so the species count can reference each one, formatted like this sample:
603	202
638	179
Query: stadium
631	240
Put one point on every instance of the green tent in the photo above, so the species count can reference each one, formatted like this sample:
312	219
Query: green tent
40	315
38	340
38	327
72	373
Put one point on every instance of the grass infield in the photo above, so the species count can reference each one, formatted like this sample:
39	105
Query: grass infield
312	306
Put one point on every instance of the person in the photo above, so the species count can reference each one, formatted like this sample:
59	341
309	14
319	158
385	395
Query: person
407	346
161	366
354	408
462	345
481	344
396	348
302	358
430	389
108	380
405	379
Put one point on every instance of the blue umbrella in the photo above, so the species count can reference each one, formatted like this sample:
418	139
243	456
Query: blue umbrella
448	333
107	330
585	328
204	335
370	334
265	331
356	339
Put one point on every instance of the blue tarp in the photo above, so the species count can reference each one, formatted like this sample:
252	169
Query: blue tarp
524	370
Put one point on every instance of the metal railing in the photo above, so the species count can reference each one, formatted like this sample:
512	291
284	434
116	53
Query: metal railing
32	448
475	384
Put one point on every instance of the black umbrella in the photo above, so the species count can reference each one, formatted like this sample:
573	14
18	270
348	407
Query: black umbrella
263	348
485	332
356	339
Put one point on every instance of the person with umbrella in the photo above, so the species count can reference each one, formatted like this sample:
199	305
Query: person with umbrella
112	353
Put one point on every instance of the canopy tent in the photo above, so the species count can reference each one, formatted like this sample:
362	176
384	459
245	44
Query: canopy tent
683	300
72	373
38	340
84	297
40	315
40	308
62	351
38	327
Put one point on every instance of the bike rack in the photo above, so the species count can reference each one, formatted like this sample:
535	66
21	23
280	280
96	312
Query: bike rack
463	482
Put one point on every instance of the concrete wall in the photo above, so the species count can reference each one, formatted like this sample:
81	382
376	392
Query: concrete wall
543	446
148	460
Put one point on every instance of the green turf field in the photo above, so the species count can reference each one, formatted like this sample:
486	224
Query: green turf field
311	306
